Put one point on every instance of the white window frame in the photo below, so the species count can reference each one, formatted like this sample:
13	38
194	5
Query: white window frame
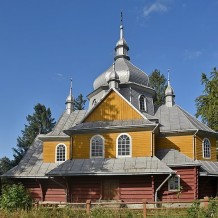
206	150
130	149
144	101
102	146
170	180
56	149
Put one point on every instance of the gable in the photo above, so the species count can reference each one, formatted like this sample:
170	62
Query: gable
113	107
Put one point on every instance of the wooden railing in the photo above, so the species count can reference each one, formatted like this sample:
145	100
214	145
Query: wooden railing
145	205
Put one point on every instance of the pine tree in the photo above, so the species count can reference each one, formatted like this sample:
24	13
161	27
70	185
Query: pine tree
5	165
158	82
79	103
207	103
41	122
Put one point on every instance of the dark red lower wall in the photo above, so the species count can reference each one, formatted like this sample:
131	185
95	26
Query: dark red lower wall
188	182
208	186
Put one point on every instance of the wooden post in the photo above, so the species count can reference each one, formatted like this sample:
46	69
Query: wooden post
88	206
144	208
206	201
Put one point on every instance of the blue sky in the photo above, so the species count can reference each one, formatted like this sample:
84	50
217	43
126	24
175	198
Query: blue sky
43	43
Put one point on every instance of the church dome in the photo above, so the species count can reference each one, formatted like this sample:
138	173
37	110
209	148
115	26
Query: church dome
127	73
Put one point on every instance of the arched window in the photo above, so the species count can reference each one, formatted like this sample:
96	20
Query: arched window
142	103
124	148
206	148
97	146
61	152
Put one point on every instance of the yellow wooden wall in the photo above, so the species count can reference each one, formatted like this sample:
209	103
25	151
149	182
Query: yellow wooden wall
113	107
49	150
183	143
141	144
199	150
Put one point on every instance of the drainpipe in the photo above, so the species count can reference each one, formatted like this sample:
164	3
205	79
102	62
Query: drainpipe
194	145
152	140
155	198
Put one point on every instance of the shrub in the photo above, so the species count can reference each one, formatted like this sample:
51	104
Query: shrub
15	197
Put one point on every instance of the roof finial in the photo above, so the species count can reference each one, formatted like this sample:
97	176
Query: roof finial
70	101
168	75
121	48
121	25
71	86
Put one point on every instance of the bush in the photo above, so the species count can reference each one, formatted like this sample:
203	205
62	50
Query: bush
15	197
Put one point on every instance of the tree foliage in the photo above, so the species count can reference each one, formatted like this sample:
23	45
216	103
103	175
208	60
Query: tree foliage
79	103
158	82
5	165
41	122
14	197
207	103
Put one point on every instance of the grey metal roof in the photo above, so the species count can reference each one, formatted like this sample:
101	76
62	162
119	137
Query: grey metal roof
66	121
126	71
111	125
210	167
111	166
176	119
173	157
31	166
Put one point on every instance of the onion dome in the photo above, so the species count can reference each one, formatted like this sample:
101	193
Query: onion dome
169	94
113	79
127	72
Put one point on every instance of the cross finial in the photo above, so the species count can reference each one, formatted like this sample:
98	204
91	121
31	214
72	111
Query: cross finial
121	18
71	85
168	76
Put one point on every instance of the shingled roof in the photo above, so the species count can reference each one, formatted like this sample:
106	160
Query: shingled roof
173	157
32	165
176	119
67	121
111	166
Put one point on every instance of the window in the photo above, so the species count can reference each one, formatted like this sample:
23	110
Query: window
174	183
61	153
124	146
206	148
97	146
142	103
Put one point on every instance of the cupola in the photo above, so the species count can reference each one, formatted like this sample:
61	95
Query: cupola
169	93
113	79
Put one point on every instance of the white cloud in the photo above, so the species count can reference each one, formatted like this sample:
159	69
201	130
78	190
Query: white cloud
155	7
192	54
60	75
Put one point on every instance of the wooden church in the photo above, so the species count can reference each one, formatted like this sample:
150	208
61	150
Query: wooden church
122	148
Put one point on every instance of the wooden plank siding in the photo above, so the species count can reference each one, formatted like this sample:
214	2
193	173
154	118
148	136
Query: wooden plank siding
136	188
182	143
113	107
49	149
141	144
129	188
84	188
188	181
199	148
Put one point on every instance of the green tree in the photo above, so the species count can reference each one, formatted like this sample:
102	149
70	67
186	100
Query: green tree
15	196
207	103
41	122
158	82
5	165
79	103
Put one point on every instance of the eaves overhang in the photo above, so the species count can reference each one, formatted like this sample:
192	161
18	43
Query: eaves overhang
110	128
54	138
